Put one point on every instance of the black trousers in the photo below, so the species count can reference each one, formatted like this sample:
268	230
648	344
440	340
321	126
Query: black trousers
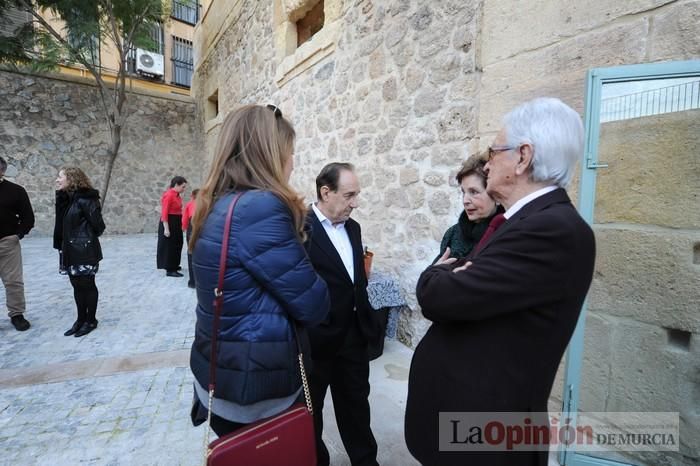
189	256
86	296
169	249
222	426
347	375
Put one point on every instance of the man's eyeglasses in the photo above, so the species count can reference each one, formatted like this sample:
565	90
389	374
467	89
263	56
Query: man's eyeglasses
492	151
275	109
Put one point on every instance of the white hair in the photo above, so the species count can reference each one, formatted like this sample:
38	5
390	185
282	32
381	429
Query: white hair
555	131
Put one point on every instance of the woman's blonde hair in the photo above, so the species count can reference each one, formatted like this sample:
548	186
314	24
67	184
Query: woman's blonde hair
253	146
77	179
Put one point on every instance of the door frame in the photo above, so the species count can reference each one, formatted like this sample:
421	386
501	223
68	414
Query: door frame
595	79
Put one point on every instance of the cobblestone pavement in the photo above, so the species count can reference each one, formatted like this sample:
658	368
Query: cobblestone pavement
121	395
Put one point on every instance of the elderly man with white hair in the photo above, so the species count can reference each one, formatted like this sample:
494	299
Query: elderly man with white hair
502	318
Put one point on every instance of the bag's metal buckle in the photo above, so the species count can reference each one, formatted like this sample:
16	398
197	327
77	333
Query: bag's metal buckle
218	293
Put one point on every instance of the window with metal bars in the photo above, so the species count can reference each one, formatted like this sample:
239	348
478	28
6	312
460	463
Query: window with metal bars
87	46
183	62
157	36
186	11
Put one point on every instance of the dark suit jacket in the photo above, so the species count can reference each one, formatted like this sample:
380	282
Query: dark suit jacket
500	327
346	296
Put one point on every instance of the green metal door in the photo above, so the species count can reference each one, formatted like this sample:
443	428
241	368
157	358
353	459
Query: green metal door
639	189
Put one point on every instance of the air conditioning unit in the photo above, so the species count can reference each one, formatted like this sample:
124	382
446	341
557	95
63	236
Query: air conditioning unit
149	63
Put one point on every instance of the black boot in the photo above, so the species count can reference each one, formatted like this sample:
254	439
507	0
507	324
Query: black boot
86	328
76	326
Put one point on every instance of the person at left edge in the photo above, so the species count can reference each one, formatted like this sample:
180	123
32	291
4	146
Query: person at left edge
16	220
170	228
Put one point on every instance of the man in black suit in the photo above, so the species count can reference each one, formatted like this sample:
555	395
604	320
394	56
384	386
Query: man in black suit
339	345
503	317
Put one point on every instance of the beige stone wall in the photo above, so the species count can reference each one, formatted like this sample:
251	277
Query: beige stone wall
647	220
48	123
407	89
645	289
397	97
653	176
411	88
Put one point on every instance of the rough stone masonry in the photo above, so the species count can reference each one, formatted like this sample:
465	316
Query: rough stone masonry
49	122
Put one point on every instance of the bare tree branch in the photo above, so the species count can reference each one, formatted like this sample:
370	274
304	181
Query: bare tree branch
116	37
121	74
137	22
129	41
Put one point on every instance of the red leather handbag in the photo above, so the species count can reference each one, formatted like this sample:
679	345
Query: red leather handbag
286	439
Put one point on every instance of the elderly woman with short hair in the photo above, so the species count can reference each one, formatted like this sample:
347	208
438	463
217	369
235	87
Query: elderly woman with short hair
479	209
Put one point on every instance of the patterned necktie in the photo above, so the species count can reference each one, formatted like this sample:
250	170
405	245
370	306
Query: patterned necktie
495	222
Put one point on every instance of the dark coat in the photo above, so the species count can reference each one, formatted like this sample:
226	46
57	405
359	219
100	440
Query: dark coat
327	337
268	281
464	235
500	327
78	225
16	214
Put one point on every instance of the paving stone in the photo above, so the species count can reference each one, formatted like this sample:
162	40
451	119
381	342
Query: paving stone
122	394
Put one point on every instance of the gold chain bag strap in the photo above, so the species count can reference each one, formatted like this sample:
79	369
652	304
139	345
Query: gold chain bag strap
287	438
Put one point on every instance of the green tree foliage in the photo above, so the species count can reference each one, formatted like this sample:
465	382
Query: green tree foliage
39	45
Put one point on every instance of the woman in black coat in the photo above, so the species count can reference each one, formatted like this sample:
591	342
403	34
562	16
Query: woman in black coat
78	225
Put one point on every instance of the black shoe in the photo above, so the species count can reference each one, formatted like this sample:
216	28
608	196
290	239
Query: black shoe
86	328
20	323
179	268
76	326
190	285
174	274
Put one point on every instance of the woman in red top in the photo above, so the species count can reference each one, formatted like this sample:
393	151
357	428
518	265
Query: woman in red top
170	228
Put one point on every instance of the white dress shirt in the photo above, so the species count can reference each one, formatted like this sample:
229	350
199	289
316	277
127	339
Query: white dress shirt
340	239
530	197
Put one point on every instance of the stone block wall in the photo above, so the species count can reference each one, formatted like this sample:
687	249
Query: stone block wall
408	89
49	122
397	97
412	88
653	177
641	351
